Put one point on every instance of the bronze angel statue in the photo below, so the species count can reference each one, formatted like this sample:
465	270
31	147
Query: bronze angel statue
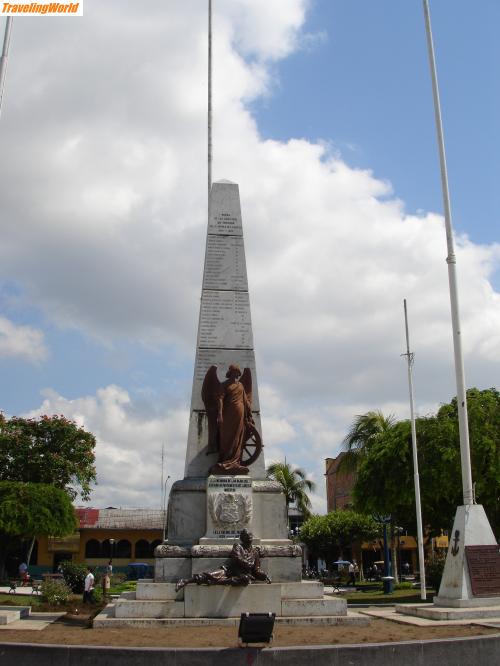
231	428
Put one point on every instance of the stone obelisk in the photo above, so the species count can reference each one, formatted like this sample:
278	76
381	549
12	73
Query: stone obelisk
225	327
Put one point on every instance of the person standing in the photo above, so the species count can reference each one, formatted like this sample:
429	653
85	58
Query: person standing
352	574
106	579
88	591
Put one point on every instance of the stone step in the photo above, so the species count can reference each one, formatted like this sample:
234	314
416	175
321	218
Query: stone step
129	594
147	590
313	607
128	608
306	589
103	621
431	612
226	601
8	616
157	591
22	611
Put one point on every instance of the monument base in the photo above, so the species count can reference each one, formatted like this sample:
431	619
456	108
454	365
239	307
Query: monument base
471	576
451	613
152	602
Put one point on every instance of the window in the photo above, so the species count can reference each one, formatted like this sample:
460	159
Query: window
142	549
92	548
123	549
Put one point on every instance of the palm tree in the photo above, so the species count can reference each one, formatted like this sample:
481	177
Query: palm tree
364	430
294	483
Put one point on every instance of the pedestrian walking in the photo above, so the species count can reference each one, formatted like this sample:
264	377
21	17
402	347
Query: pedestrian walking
88	591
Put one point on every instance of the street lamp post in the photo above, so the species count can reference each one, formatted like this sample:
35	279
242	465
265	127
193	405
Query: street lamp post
387	578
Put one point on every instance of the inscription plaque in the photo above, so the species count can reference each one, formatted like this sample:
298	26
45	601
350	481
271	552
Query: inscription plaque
222	358
484	570
229	506
226	223
225	320
225	266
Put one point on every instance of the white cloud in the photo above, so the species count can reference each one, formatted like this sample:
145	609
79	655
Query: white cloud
104	128
129	444
22	342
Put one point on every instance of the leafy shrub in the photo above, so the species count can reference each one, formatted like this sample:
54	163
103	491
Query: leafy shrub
405	585
55	592
74	575
98	596
434	571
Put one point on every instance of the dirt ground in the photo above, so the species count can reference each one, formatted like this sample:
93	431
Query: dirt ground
73	631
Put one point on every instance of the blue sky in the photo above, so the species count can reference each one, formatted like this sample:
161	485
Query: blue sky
364	85
323	115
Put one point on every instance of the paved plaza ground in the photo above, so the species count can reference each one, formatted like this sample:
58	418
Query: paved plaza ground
75	631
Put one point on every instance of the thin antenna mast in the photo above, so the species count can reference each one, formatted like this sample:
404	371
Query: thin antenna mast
209	119
162	500
420	537
3	58
451	260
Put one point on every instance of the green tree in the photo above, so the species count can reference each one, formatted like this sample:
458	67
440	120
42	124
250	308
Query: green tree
329	536
27	509
384	481
384	477
483	409
51	450
294	483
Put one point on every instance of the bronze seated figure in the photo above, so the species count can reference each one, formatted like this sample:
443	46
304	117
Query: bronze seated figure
243	567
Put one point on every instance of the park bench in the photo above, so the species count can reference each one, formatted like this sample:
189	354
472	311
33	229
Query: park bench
35	586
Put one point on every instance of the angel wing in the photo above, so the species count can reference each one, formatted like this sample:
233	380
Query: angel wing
210	393
246	380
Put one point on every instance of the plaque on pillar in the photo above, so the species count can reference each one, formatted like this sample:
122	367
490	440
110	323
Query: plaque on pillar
229	508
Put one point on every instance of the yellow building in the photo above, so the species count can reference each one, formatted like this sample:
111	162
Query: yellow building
123	535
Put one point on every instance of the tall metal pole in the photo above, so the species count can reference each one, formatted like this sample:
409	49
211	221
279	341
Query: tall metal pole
209	128
164	507
416	479
452	277
162	502
4	56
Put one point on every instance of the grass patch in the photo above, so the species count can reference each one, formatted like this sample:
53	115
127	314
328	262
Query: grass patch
74	604
126	586
378	597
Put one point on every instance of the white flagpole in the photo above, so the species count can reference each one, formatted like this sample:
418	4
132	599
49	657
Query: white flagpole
209	114
416	478
452	277
4	56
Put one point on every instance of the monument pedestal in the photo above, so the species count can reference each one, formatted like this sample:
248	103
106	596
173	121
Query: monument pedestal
293	603
470	587
471	574
193	519
205	519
